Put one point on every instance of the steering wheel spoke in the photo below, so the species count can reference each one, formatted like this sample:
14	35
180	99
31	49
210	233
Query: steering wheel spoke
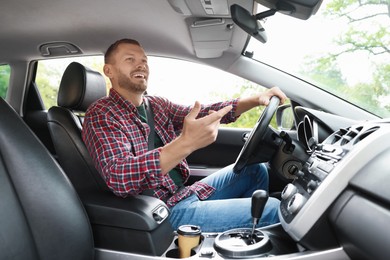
256	140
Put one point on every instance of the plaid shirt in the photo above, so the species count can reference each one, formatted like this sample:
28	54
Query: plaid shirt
117	141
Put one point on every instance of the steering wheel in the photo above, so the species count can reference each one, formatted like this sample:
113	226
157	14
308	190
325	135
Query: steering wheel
256	137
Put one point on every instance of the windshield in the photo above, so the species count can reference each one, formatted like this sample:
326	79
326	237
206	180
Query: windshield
344	49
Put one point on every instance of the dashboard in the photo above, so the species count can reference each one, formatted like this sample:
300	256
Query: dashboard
328	174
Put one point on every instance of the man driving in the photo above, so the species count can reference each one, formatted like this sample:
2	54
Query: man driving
139	144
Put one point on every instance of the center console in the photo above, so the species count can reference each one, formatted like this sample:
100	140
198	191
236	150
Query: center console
236	243
239	244
314	171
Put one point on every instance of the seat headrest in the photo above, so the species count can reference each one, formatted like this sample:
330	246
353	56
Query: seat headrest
80	87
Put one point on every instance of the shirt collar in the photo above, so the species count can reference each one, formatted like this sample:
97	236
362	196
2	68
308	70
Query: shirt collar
117	98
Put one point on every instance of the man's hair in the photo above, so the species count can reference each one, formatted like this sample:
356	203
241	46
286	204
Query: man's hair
113	47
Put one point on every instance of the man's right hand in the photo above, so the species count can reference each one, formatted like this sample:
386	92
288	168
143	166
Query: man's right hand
200	132
197	133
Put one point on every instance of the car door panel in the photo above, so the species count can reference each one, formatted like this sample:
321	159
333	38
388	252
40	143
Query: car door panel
217	155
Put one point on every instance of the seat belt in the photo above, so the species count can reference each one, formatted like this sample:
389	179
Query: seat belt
152	136
150	121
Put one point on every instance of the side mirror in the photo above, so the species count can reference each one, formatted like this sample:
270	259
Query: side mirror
285	117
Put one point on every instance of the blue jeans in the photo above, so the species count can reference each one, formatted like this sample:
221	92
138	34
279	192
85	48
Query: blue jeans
230	205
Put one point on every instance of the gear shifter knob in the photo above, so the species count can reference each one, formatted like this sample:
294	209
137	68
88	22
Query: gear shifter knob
259	199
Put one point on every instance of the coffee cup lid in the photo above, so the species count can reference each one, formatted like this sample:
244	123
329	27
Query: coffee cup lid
189	230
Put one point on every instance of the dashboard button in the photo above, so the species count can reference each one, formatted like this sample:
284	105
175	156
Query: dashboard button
289	191
296	203
312	186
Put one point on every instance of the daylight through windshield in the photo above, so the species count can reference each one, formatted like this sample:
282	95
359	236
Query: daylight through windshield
343	48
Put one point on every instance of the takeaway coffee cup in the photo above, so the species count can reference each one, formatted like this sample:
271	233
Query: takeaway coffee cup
189	237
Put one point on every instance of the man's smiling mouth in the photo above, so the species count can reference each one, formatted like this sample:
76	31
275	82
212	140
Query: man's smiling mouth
139	75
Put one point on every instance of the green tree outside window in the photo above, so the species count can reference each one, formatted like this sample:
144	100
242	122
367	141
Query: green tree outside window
5	72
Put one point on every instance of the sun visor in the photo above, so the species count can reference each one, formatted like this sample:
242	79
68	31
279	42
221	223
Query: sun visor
211	37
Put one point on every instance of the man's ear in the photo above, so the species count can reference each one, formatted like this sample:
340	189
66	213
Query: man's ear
107	70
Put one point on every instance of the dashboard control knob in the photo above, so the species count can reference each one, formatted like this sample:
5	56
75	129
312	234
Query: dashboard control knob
296	203
289	191
311	186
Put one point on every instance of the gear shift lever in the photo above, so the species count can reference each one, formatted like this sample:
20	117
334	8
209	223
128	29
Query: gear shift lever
259	199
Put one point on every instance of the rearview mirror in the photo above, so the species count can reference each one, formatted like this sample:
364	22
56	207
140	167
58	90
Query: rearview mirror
248	22
302	9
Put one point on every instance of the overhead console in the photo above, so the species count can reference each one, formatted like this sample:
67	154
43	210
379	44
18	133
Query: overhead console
210	25
326	174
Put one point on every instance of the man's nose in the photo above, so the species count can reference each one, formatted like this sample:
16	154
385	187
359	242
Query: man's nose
142	65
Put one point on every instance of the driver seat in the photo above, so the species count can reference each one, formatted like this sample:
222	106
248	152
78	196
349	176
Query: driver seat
133	224
79	88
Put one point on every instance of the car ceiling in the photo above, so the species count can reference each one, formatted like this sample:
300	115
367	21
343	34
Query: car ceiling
162	26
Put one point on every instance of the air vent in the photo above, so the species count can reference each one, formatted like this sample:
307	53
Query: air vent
350	135
338	135
366	133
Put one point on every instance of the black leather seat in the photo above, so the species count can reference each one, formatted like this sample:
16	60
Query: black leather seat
134	224
41	216
79	88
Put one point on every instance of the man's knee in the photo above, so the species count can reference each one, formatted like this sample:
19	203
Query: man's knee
261	170
272	207
273	203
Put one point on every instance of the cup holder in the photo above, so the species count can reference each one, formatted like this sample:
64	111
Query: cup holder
174	253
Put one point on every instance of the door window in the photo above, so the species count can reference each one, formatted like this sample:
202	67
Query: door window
5	72
179	81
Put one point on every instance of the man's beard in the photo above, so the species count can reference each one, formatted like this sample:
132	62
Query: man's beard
126	83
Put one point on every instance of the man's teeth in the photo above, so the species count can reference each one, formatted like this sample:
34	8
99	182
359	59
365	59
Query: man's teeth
139	76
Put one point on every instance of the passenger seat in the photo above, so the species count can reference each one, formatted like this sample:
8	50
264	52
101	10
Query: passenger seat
41	216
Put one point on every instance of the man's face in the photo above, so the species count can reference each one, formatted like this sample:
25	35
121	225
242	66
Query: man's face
129	67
